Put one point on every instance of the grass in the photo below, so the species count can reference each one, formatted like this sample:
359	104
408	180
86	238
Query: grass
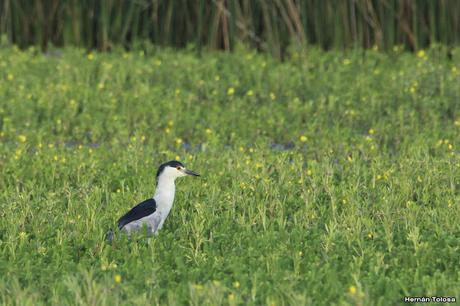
271	26
328	179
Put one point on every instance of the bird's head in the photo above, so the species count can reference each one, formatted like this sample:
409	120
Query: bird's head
172	170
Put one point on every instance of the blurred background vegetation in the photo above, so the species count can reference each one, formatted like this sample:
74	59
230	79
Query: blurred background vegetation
268	25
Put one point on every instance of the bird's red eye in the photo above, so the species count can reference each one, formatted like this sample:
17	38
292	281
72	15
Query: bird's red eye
178	167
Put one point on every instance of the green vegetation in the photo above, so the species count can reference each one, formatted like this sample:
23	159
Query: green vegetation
266	25
330	178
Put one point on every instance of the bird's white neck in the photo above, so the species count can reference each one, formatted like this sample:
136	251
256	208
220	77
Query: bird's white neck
164	194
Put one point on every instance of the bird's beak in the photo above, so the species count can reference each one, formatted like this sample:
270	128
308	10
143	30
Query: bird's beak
190	172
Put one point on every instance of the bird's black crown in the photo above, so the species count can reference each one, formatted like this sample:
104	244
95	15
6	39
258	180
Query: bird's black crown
172	163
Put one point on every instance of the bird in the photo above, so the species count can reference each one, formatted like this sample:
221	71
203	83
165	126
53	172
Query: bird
153	212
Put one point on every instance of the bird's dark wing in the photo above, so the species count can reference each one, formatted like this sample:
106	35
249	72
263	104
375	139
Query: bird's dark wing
139	211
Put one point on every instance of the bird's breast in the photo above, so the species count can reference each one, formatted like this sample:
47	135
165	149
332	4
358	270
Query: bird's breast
164	202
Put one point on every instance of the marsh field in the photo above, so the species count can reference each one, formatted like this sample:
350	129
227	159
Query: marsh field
330	178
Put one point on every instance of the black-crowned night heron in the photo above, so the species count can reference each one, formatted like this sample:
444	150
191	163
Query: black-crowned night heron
153	212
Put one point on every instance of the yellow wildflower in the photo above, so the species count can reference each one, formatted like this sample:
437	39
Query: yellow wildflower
117	278
22	138
303	138
352	290
230	91
421	54
90	56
